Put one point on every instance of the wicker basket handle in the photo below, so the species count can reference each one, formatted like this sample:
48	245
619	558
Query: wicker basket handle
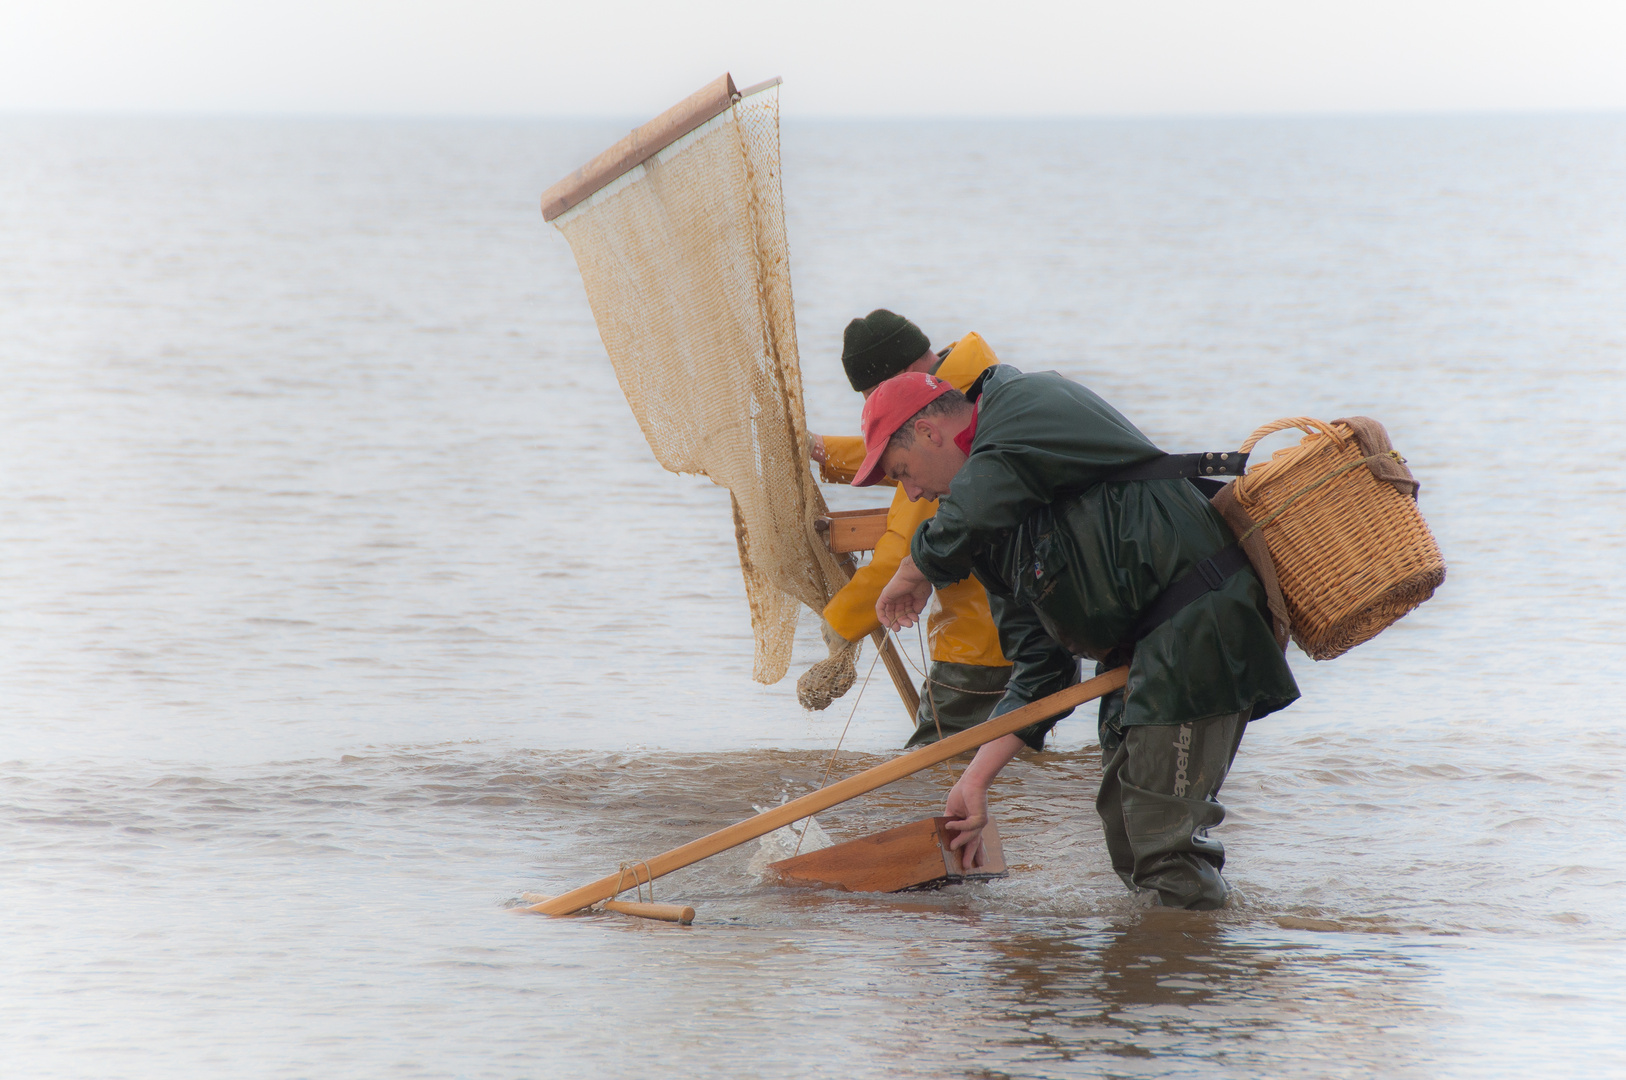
1303	423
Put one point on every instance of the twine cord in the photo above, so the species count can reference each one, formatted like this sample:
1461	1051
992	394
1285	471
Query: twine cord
831	764
620	882
920	639
937	682
1339	471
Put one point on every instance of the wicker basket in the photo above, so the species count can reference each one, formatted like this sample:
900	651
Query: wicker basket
1351	551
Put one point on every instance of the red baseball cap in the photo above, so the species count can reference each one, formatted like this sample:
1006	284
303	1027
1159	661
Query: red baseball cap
888	407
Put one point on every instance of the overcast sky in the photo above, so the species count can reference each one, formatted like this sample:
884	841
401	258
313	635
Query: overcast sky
838	57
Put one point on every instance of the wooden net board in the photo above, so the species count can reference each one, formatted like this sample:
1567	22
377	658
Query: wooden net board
910	856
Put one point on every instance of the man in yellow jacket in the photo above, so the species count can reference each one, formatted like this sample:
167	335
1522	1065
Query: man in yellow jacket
968	671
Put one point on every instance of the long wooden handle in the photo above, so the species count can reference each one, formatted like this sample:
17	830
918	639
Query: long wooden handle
900	674
839	792
678	913
641	145
682	914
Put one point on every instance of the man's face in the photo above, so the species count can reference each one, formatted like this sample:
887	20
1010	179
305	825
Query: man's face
926	467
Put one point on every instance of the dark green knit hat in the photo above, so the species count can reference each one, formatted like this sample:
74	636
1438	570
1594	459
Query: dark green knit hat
879	346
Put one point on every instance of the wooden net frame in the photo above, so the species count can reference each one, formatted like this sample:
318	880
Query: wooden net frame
679	233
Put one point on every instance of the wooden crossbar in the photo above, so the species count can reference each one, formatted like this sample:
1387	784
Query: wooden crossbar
841	791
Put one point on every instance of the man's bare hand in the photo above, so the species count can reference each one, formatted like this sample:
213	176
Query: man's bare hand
904	597
967	806
967	810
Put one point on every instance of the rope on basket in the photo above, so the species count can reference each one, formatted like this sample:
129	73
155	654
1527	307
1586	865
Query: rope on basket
1341	470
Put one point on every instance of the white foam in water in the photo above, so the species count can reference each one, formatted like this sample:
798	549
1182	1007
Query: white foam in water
782	843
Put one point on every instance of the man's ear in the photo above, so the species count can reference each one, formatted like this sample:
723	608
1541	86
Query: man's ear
925	429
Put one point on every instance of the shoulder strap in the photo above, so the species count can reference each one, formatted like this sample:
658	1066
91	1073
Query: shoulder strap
974	391
1205	577
1213	571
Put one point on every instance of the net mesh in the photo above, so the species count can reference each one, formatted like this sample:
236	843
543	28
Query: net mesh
688	275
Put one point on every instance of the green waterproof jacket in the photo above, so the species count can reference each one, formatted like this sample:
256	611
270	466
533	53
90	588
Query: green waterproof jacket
1070	562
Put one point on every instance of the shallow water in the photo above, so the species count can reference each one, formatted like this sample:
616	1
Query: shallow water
344	604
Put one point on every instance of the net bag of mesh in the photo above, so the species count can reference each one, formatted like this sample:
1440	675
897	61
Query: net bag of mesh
1339	514
679	233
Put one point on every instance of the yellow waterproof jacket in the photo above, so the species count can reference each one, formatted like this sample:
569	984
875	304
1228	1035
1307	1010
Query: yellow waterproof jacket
959	627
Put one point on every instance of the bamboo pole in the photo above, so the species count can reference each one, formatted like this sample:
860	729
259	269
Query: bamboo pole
852	787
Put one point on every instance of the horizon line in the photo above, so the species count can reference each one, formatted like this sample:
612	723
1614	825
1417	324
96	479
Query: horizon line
889	118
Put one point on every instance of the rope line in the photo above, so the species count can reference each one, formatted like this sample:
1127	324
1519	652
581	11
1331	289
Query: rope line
1341	470
620	882
831	764
937	682
931	697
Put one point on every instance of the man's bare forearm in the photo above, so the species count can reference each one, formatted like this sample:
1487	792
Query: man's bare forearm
990	759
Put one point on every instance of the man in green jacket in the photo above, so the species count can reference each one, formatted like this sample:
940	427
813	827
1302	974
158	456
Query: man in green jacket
1075	562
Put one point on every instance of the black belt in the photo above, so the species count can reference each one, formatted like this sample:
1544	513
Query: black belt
1198	468
1185	466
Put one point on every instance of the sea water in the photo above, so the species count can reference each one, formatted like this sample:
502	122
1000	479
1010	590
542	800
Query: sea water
341	602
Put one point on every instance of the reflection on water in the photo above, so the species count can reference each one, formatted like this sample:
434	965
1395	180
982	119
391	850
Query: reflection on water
343	604
1168	994
333	908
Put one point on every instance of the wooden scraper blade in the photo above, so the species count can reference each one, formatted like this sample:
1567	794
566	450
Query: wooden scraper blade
913	856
